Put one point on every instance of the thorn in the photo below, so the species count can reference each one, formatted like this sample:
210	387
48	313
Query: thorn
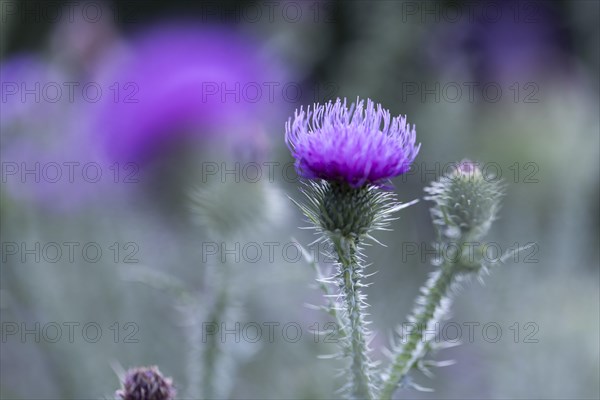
426	371
419	387
387	353
118	369
328	356
439	364
313	307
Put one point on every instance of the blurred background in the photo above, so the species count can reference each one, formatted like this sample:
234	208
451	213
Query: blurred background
145	182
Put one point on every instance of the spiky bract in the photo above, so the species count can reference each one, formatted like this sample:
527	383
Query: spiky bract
466	202
338	209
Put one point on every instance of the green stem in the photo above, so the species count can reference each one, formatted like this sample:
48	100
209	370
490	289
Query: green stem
414	347
212	352
350	274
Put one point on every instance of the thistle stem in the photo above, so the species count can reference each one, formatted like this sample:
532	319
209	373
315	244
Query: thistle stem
360	383
415	347
212	352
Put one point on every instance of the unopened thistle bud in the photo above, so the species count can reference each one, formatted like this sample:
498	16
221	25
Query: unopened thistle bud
146	383
466	202
465	206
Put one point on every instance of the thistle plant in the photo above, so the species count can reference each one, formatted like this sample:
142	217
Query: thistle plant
465	205
346	155
227	211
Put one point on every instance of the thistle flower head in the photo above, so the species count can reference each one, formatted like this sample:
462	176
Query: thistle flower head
466	202
176	65
353	145
146	383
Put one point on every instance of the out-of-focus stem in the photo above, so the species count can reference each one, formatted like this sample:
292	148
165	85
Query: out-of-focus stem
212	346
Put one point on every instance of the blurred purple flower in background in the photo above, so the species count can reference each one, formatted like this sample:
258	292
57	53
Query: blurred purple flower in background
354	145
46	155
516	41
171	91
182	83
518	47
16	71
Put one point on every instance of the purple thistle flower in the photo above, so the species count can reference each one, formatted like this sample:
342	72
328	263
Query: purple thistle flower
146	383
45	144
356	145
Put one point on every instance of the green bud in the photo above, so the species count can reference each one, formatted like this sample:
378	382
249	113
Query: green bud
341	210
228	209
347	210
466	202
